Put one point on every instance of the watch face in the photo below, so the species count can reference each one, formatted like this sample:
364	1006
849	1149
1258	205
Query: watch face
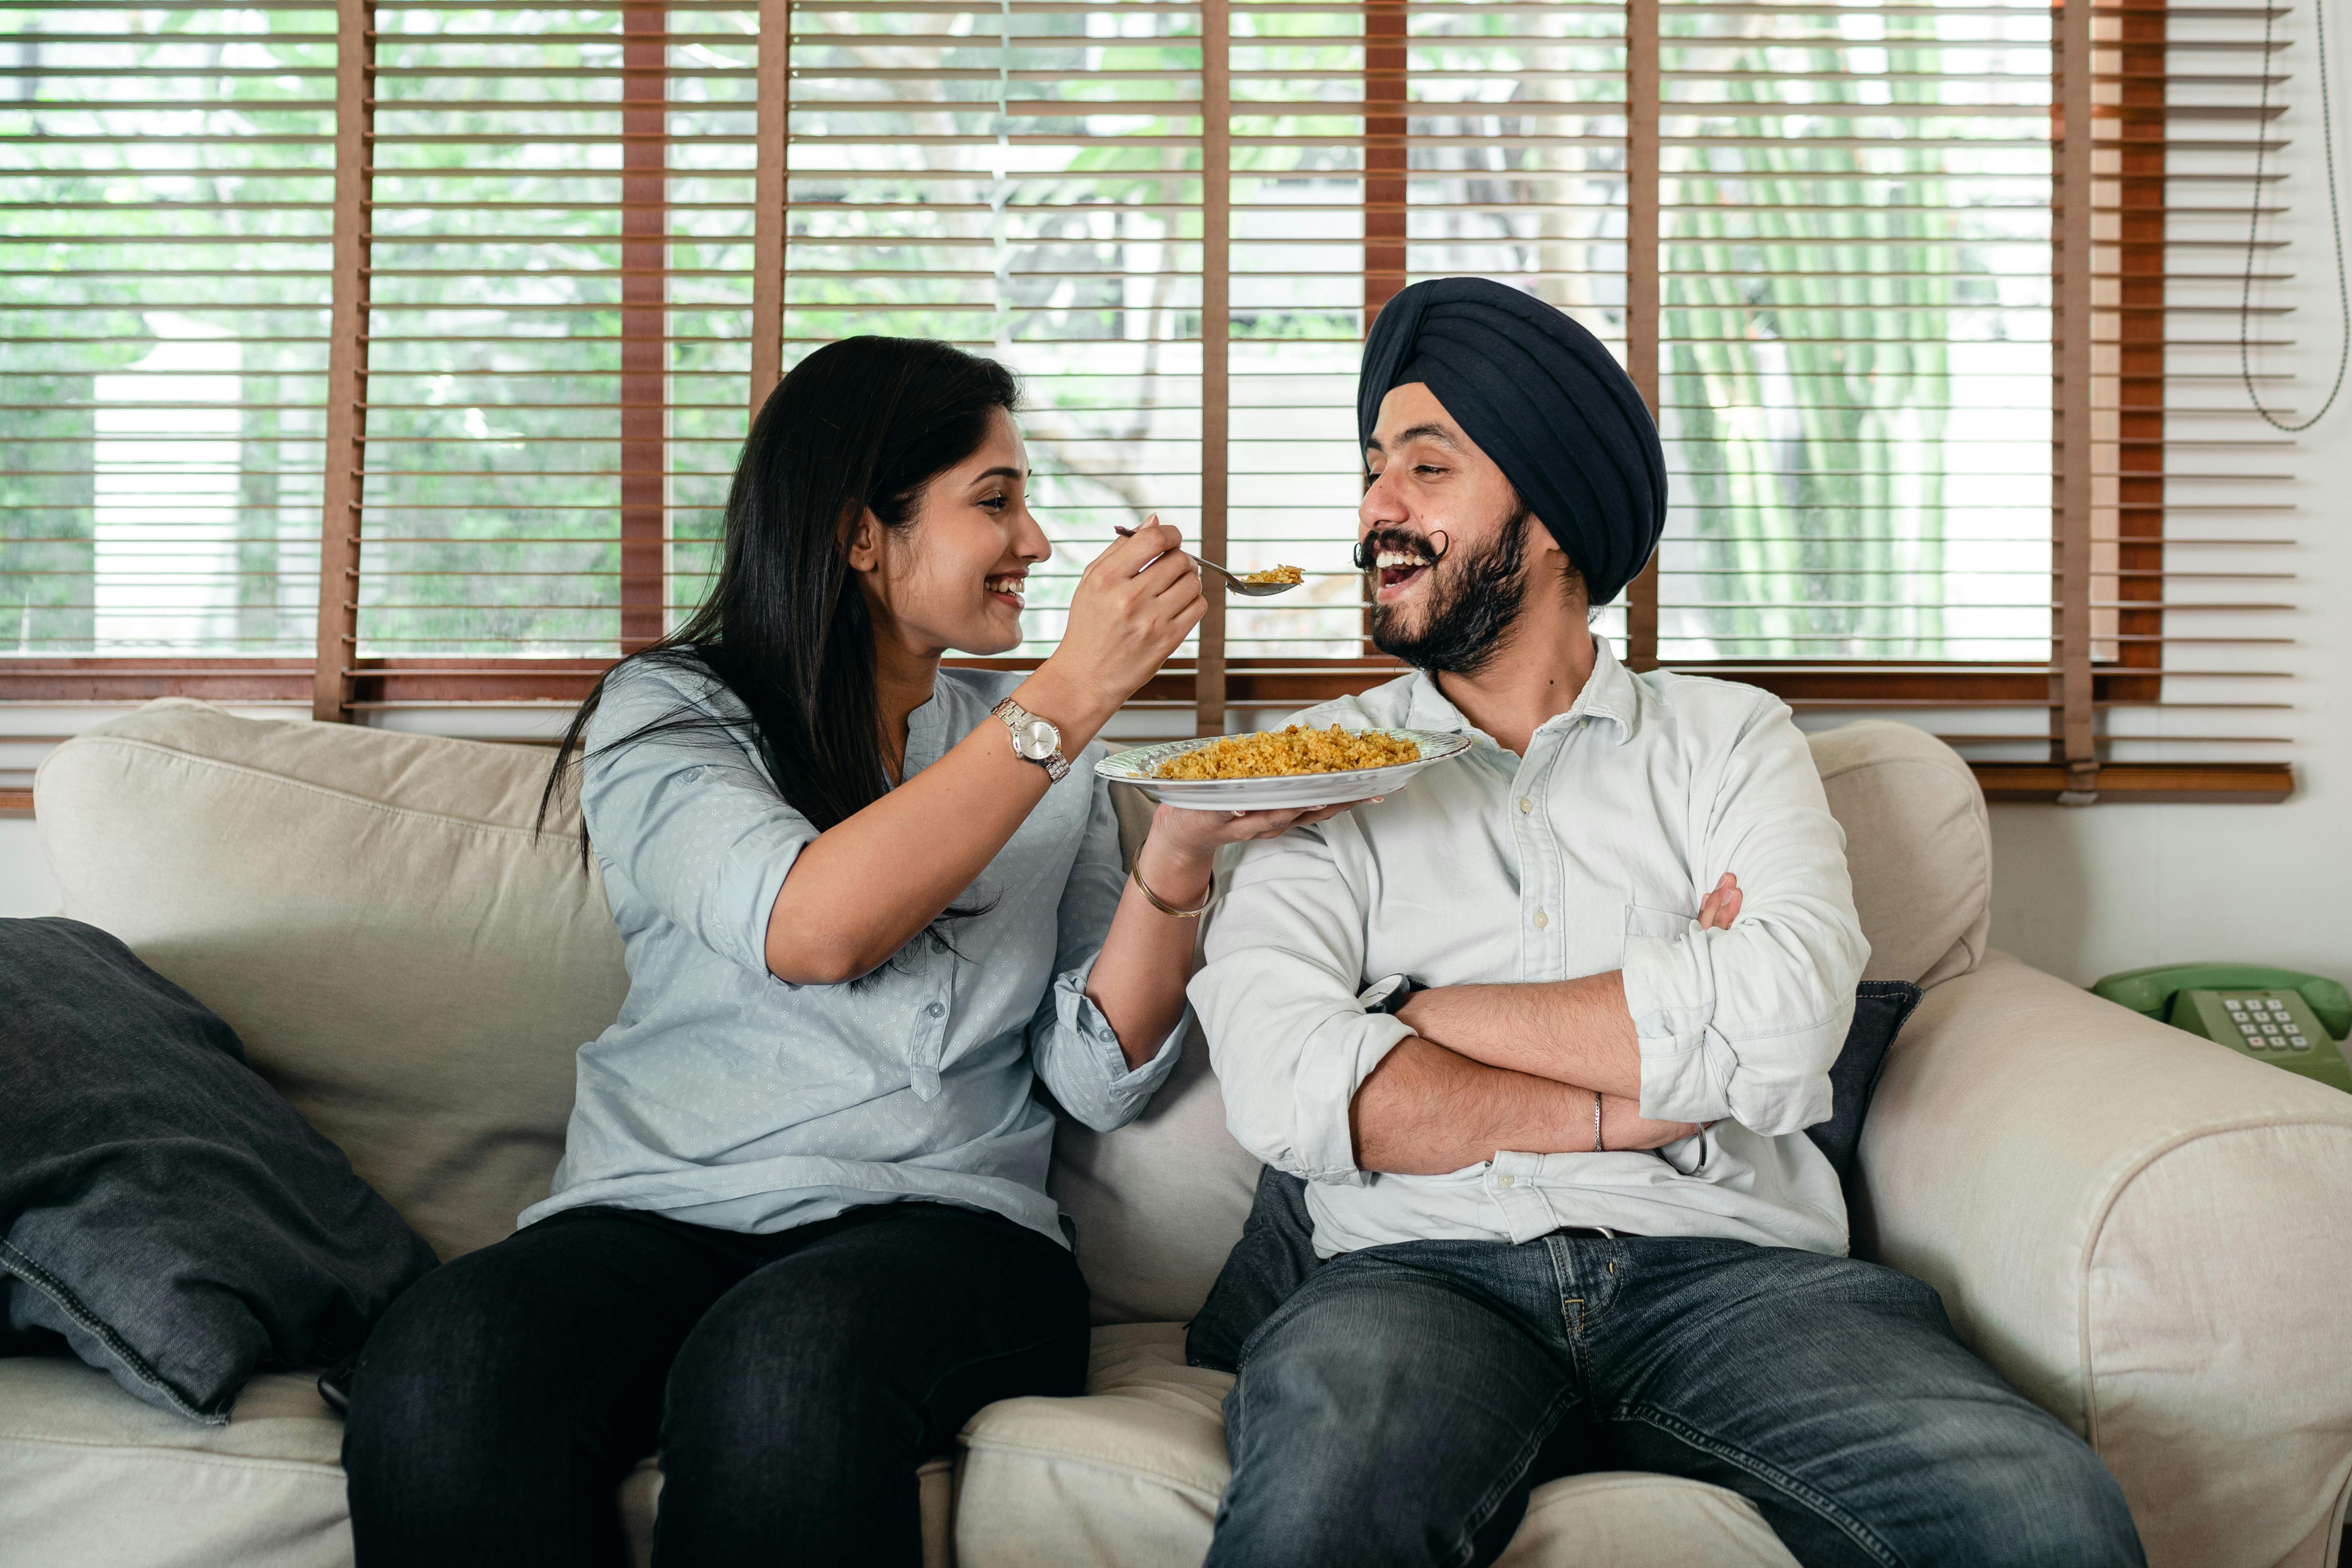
1037	739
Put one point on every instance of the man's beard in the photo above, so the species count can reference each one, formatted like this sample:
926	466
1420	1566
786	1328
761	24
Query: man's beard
1473	601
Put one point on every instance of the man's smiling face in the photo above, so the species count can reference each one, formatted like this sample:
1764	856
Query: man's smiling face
1432	491
1446	536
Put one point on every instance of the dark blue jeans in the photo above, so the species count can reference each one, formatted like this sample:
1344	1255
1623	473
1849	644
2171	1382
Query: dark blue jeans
792	1381
1401	1405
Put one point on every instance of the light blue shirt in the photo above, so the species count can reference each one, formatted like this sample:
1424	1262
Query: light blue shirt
1590	854
726	1097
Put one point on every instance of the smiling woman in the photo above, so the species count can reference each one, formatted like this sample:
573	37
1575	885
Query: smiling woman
868	905
878	522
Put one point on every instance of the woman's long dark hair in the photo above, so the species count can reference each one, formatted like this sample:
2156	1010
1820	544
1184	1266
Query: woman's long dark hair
860	425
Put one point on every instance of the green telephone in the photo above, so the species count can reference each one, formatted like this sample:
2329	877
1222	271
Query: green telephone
2273	1016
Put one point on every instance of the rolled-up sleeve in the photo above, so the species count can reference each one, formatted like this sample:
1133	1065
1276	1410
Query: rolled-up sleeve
687	816
1277	999
1744	1023
1075	1050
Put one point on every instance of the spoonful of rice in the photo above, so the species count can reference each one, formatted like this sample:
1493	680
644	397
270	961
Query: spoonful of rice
1252	584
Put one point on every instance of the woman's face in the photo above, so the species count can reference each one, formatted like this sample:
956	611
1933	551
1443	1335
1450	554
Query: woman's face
956	578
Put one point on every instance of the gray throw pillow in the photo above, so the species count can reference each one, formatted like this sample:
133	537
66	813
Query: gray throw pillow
1880	1009
163	1213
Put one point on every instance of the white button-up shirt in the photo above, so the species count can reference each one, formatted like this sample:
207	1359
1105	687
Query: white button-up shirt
1590	854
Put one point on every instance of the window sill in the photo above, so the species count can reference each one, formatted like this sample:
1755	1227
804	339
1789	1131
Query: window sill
2242	783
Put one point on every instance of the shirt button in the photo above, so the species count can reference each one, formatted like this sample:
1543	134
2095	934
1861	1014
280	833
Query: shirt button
1525	806
1542	919
936	1009
1503	1180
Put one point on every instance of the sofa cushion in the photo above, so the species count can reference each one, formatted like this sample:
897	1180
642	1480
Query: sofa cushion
1918	845
88	1474
1130	1475
370	913
1158	1203
161	1209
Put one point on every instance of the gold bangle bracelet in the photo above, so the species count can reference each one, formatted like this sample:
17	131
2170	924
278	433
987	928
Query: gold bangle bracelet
1164	907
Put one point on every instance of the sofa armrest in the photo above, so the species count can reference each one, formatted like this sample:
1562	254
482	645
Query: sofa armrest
2149	1234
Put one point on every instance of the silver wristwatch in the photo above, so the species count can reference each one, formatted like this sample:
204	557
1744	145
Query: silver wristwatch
1034	740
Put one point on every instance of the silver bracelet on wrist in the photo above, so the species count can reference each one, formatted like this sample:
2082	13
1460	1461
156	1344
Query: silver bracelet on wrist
1596	1124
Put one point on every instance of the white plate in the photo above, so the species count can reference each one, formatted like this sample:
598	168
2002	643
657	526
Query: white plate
1286	792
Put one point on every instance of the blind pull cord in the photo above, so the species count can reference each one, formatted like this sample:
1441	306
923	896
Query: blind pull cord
2255	220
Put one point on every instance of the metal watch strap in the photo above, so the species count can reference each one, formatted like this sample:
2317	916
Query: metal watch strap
1012	713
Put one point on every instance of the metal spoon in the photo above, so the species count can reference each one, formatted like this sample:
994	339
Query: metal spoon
1235	582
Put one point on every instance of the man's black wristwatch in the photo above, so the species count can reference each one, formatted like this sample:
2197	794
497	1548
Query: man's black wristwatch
1388	996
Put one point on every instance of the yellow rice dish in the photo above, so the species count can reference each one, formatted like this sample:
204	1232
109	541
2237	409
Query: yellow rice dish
1284	574
1275	753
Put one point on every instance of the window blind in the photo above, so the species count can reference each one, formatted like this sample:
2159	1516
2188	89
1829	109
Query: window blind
2188	608
1049	183
1855	381
1375	145
1854	279
557	231
2171	588
490	287
165	207
1026	181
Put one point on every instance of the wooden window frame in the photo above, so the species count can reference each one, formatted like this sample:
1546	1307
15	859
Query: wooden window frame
339	686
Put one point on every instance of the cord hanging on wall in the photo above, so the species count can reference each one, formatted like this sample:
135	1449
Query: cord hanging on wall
2335	221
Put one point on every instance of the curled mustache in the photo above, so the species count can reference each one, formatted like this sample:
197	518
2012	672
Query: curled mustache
1369	548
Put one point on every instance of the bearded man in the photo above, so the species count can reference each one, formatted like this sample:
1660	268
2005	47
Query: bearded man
1566	1215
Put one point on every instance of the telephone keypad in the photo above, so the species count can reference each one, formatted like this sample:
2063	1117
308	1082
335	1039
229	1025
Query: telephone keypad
2274	1026
2265	1024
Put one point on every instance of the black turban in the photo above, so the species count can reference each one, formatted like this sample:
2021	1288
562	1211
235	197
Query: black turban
1545	400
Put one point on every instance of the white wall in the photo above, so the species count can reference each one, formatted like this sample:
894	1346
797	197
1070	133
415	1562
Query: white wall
25	884
2085	892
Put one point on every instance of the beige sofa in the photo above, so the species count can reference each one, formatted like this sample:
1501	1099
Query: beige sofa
2149	1235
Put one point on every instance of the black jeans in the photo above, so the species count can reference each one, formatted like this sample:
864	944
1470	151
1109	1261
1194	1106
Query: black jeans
792	1384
